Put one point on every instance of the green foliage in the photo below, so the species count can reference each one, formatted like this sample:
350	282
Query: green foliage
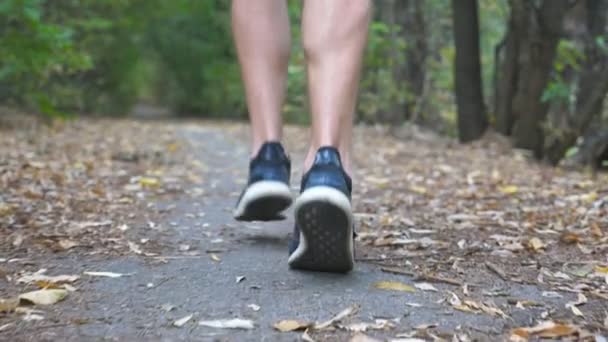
193	44
381	91
33	53
559	89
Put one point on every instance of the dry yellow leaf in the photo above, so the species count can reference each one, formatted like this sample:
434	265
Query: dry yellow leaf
596	231
5	209
418	189
590	197
45	284
291	325
172	147
394	285
601	269
377	181
536	244
508	189
8	305
149	182
214	257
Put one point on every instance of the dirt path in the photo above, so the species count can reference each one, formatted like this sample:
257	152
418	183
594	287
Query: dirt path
188	257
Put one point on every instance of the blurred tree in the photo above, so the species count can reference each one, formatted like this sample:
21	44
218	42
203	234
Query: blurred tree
407	23
591	84
34	52
472	120
526	63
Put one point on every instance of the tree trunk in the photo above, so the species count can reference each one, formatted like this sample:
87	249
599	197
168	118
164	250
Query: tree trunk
414	29
472	120
593	83
530	46
406	20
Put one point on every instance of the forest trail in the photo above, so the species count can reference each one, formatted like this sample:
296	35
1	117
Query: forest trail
455	242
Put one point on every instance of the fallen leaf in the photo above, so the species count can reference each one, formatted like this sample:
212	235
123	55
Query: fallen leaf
214	257
377	181
6	326
425	287
535	244
475	307
570	238
40	277
596	231
590	197
5	209
66	244
43	297
32	317
105	274
551	294
362	338
337	318
508	189
601	269
8	305
291	325
306	337
180	322
133	247
547	329
418	189
576	311
149	182
573	306
379	324
231	323
394	285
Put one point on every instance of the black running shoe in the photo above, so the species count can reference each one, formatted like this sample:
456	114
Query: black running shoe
323	236
267	193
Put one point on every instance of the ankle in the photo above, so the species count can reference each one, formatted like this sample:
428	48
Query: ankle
345	158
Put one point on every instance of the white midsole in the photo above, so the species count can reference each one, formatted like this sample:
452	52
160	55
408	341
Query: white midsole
262	189
329	195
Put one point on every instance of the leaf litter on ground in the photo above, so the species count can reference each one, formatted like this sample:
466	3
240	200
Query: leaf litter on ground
230	323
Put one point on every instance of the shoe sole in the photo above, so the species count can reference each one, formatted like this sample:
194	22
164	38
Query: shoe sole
263	201
325	219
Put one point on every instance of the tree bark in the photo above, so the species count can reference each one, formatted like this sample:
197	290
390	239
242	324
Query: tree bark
472	120
592	86
406	20
531	41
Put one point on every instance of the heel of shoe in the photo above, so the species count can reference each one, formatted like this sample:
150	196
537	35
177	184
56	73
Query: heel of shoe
325	219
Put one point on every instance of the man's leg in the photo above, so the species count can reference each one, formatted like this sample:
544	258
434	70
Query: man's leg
334	37
262	38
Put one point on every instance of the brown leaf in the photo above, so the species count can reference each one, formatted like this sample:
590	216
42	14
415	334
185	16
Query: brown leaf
596	231
546	329
570	238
